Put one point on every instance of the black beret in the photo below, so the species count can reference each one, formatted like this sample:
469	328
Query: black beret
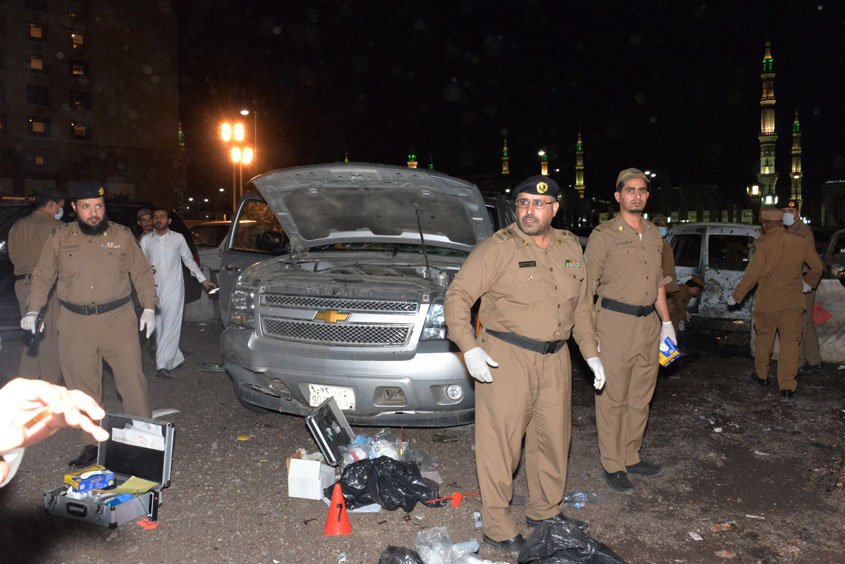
86	189
540	185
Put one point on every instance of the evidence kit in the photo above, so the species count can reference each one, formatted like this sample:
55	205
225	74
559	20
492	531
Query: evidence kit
132	468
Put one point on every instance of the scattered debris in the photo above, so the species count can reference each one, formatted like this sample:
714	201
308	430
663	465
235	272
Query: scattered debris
723	526
580	499
158	413
242	437
213	367
147	525
726	554
476	517
761	453
695	536
717	429
758	517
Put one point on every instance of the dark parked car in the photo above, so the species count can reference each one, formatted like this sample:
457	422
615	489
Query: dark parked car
119	211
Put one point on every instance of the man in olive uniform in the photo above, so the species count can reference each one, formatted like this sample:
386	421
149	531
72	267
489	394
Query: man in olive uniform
625	262
808	350
775	268
678	301
93	263
534	291
26	239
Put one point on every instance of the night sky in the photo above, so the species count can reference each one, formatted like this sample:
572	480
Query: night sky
672	86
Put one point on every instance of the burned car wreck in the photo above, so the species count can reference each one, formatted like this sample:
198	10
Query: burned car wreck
353	309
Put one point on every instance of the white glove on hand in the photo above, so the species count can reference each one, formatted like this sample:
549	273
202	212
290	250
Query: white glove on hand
682	325
731	301
666	330
807	288
478	362
28	322
148	322
598	371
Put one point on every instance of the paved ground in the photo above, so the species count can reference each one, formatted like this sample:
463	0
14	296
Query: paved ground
754	478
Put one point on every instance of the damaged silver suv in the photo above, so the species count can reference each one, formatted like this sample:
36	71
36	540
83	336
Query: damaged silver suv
348	302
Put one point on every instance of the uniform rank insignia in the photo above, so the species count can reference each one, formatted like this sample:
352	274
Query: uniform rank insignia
110	245
527	263
572	263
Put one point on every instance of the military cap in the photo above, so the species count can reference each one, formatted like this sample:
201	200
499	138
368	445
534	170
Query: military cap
540	185
143	211
86	189
792	205
771	213
696	280
628	174
659	218
51	194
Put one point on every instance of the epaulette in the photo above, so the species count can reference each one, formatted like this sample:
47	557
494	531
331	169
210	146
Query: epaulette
503	234
58	228
119	227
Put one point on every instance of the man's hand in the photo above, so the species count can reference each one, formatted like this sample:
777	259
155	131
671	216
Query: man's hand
148	322
731	301
598	372
666	330
208	284
807	289
32	410
28	322
478	363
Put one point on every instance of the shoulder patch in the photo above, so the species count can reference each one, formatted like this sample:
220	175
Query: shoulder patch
503	235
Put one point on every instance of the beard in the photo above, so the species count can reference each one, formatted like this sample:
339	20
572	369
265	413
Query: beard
98	229
533	229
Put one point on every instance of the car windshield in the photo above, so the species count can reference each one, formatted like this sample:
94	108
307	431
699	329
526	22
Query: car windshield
209	235
392	248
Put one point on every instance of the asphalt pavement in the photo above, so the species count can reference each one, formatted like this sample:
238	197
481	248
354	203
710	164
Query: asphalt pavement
753	479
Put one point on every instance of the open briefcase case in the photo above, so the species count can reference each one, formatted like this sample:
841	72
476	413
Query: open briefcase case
137	447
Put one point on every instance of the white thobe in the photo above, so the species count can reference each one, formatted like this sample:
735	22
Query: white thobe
167	253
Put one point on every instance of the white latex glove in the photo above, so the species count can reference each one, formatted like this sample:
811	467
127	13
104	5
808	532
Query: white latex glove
478	362
28	322
682	325
666	330
807	288
148	322
731	301
598	371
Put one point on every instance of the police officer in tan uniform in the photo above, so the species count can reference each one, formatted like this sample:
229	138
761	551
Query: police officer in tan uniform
534	291
775	268
624	261
809	356
26	239
678	301
93	263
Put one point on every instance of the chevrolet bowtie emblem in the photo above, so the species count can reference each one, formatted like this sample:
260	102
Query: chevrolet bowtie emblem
331	316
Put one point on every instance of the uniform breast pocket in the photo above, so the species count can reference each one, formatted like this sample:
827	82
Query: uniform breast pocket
527	285
573	278
69	256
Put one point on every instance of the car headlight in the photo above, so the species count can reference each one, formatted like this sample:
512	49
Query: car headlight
242	307
435	323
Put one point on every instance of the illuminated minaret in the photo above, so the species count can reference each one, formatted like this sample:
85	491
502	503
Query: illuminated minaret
579	167
768	136
506	159
797	174
544	162
431	162
346	156
412	160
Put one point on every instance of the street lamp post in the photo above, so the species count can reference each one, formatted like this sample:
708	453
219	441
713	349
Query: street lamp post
233	134
245	112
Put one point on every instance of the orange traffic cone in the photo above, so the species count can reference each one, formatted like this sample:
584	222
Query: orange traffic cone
337	523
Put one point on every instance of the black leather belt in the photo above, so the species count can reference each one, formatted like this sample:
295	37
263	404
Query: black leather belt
96	308
542	347
22	276
636	311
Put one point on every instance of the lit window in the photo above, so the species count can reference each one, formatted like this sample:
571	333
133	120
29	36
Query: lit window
79	131
77	40
39	127
78	69
36	63
36	31
39	160
80	100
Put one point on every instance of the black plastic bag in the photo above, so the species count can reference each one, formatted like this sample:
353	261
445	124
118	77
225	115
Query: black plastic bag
388	482
399	555
561	541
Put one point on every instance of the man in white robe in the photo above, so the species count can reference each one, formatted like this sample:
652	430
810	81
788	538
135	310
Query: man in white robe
167	250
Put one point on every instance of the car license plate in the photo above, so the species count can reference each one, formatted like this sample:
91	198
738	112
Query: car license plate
345	397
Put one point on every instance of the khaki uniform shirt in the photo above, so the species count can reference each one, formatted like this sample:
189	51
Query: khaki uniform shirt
92	269
622	267
538	293
678	304
668	261
804	230
776	263
26	239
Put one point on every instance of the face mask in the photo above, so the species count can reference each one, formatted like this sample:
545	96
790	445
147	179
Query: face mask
663	231
59	214
788	219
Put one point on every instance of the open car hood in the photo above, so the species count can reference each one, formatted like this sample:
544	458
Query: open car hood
372	203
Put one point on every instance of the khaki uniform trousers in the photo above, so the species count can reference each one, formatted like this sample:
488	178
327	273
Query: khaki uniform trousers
531	395
86	340
45	364
787	323
809	349
629	354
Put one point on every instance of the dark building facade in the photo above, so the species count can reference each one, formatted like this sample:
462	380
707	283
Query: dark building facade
89	91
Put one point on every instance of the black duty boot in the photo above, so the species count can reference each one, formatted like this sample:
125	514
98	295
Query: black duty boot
86	458
618	482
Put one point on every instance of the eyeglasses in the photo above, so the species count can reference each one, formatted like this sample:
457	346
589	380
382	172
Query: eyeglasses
523	203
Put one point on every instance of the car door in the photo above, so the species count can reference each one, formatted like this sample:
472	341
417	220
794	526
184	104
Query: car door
727	252
686	248
255	235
